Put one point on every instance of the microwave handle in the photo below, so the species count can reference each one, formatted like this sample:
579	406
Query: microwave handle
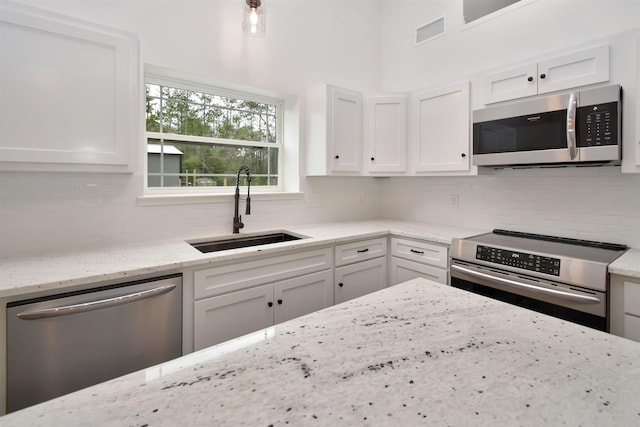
571	126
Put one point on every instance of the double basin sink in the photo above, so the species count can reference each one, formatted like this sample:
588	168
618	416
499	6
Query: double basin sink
226	243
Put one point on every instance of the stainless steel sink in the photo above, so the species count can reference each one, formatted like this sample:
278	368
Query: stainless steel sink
242	242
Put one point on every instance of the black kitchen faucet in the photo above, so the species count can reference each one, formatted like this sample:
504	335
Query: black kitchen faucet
237	219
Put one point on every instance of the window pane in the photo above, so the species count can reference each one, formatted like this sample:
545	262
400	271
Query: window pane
180	164
188	112
176	163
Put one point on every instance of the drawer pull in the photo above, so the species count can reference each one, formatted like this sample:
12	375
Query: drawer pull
361	251
417	252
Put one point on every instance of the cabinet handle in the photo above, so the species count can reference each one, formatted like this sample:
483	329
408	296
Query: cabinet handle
543	75
463	155
417	252
341	284
361	251
529	79
270	304
373	158
280	302
337	156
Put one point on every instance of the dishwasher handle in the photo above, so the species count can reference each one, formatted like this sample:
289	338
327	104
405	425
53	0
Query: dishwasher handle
94	305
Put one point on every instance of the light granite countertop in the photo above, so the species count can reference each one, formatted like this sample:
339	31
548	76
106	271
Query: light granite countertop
44	273
628	264
20	276
418	353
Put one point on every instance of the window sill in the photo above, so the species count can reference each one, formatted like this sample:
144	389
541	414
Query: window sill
190	199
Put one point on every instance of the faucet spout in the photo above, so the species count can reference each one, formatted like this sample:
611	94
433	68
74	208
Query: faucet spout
237	218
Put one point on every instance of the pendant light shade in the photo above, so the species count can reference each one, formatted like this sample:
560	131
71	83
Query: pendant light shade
254	21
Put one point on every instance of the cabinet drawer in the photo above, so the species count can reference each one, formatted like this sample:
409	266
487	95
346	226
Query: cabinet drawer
360	251
423	252
230	278
403	270
632	298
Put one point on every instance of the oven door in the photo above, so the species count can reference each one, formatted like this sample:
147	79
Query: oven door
579	305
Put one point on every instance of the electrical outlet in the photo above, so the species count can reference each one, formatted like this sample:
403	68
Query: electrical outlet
455	201
313	200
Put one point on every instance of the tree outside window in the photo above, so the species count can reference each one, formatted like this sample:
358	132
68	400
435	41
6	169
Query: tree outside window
197	138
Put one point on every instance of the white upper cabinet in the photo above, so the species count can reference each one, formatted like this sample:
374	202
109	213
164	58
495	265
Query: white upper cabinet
579	68
441	120
334	131
386	134
68	95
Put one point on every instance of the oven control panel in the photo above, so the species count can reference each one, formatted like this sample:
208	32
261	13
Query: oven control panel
522	260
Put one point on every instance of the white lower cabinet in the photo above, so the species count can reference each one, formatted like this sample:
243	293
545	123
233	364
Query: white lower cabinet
359	279
624	307
231	315
361	268
403	270
302	295
411	259
228	316
236	299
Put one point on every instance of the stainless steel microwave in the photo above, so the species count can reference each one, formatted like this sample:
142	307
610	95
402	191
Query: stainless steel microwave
583	127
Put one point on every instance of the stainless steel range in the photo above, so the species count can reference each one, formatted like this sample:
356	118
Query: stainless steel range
562	277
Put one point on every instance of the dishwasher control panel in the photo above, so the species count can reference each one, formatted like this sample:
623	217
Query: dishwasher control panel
541	264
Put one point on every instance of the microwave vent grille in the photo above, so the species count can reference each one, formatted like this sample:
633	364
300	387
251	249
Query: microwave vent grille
430	31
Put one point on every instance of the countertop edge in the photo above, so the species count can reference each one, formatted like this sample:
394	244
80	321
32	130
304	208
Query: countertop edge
26	275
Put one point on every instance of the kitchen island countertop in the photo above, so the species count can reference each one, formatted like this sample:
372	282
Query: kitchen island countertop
418	353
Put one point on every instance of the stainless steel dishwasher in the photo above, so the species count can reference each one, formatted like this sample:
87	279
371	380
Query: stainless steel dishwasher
65	342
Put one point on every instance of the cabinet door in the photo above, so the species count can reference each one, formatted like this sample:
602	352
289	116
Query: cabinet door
302	295
228	316
403	270
344	129
360	279
577	69
387	134
69	93
514	83
442	119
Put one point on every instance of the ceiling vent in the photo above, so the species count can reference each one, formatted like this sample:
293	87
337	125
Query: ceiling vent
430	31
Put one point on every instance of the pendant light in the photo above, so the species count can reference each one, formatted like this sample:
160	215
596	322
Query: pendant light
254	18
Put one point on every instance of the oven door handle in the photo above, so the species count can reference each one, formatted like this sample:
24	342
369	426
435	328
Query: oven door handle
584	299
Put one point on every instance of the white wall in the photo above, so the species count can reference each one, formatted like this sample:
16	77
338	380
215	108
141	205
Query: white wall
308	43
593	203
529	29
361	44
586	203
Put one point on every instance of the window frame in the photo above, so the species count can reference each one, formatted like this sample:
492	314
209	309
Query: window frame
154	75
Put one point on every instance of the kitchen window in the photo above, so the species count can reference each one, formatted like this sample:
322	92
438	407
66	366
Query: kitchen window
198	136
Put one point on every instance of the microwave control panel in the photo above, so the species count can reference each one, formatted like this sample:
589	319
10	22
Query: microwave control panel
541	264
598	125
